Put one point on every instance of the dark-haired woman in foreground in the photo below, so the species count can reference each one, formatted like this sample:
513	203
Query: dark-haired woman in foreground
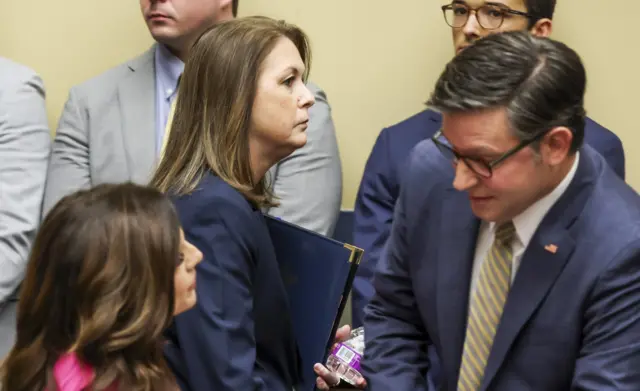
109	269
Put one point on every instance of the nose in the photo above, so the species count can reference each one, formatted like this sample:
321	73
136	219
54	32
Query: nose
306	98
465	178
472	27
196	256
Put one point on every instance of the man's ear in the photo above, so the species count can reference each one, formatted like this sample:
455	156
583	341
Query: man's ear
542	28
556	145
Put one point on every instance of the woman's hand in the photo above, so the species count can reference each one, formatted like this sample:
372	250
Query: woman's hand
327	379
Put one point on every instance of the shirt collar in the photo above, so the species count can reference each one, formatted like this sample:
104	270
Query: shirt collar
527	222
169	69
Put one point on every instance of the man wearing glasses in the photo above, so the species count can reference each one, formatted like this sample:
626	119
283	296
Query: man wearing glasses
380	186
524	272
470	20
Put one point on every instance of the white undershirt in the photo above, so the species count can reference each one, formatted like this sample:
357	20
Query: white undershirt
526	224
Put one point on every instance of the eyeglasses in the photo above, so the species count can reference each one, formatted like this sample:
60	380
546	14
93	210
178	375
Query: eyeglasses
481	167
489	16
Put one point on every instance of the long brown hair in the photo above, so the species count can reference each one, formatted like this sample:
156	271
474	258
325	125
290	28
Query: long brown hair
210	128
100	284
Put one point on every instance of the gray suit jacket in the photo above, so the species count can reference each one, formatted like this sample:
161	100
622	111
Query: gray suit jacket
107	134
25	142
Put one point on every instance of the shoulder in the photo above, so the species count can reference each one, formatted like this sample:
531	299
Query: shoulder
214	199
595	134
426	168
13	75
395	143
72	374
401	137
612	210
106	83
421	125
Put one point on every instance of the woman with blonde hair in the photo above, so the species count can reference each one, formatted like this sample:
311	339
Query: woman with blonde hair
242	106
108	270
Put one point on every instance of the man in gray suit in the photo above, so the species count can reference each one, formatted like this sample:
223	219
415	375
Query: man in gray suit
112	126
24	151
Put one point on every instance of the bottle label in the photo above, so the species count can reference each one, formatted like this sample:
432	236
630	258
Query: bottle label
348	356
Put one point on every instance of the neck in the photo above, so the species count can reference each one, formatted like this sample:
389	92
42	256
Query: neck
562	171
181	49
556	176
261	161
177	51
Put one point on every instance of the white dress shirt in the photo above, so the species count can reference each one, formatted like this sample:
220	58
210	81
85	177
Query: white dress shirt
526	224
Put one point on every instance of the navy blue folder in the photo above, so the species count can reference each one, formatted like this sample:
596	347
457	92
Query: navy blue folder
318	273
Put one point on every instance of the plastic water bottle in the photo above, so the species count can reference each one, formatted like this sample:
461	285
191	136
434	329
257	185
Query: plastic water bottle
345	357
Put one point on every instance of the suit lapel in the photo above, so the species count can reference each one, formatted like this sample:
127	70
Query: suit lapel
137	104
540	266
455	259
538	270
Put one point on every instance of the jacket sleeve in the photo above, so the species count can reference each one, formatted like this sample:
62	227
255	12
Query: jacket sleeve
69	168
216	337
25	143
396	355
610	355
373	215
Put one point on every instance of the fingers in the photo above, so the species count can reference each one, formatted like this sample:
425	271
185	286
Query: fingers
321	385
325	377
343	333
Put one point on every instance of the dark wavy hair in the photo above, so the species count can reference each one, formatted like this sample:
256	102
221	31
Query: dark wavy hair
100	284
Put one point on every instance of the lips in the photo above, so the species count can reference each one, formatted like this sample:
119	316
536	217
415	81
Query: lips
158	16
480	199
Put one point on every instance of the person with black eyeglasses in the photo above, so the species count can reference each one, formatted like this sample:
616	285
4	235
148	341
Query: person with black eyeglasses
523	271
379	189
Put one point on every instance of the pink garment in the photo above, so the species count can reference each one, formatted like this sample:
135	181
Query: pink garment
72	374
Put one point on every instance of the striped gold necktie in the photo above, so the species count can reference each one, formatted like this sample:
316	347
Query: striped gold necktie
485	311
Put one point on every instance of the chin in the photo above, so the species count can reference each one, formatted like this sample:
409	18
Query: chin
186	304
163	34
300	140
485	213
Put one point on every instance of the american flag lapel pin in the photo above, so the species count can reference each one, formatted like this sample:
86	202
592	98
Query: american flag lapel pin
552	248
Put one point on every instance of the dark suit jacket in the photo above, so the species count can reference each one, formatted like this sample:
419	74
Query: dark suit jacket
571	320
239	335
380	186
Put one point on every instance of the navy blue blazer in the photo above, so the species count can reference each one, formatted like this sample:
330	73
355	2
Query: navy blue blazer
571	320
380	186
239	335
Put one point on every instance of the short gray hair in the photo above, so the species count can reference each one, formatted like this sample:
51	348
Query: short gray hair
541	82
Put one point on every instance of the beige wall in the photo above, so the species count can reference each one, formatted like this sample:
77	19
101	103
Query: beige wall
377	62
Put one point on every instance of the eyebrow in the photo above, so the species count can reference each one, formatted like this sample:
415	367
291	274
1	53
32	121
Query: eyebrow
293	69
493	3
480	151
